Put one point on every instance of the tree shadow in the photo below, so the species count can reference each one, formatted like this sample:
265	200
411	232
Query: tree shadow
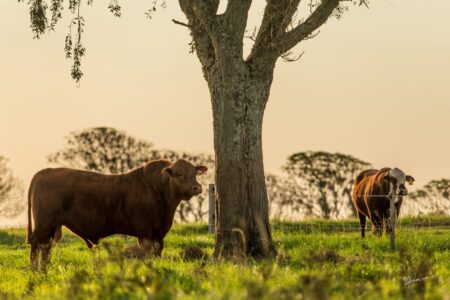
11	238
189	229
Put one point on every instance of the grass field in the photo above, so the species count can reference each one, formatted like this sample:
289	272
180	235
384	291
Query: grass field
317	260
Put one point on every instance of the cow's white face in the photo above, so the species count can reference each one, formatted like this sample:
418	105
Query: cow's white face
397	181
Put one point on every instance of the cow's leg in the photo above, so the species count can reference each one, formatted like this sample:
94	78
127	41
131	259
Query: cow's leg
377	223
386	219
362	223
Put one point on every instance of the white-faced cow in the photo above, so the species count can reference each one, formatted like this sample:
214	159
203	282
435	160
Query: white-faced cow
372	192
140	203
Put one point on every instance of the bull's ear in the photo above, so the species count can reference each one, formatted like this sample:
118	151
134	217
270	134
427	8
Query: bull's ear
169	171
410	179
201	169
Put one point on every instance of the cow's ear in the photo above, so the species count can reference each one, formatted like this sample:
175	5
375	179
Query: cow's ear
201	169
410	179
169	171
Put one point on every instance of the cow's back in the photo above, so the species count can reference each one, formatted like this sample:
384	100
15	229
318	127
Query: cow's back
369	190
359	189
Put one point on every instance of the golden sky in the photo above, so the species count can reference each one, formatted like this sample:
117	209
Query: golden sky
375	84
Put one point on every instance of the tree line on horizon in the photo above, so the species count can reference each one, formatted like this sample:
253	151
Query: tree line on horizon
313	184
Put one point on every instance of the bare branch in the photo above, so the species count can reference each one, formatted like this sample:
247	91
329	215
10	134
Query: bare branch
277	17
180	23
305	29
289	57
252	36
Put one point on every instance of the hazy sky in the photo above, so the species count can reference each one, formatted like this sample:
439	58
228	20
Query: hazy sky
375	84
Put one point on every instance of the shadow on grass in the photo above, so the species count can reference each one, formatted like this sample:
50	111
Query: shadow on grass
12	238
190	229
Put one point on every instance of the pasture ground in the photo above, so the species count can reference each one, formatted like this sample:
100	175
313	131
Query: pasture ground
317	260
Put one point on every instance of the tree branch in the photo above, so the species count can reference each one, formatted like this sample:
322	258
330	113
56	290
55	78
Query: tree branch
277	16
319	16
236	16
201	18
180	23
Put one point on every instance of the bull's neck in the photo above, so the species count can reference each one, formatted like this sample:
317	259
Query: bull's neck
169	197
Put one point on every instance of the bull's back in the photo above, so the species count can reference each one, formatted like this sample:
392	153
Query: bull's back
77	199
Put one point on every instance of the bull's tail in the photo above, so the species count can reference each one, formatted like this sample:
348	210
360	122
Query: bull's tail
30	224
30	228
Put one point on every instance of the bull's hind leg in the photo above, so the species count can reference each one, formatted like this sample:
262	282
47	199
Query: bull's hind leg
45	251
41	244
34	255
362	223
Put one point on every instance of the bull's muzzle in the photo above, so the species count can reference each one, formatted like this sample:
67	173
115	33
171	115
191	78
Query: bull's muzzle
197	189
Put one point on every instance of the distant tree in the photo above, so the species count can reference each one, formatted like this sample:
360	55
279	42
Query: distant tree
108	150
329	177
103	149
11	191
287	199
434	197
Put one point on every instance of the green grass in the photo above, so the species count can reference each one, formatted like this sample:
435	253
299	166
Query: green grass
314	262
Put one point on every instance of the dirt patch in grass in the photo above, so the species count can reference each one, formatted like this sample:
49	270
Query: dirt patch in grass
324	256
193	252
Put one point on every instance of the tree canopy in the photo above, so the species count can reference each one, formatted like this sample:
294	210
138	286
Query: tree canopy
281	28
11	191
328	176
103	149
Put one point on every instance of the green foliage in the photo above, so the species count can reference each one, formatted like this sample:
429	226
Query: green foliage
322	265
73	47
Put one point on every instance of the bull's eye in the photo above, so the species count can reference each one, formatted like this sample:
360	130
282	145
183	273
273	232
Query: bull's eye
179	175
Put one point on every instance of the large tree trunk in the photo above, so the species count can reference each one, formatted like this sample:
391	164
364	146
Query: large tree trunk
238	100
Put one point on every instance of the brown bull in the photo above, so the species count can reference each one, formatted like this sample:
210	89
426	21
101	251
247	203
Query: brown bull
140	203
372	192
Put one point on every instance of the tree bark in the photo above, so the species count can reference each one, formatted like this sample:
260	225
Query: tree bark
239	99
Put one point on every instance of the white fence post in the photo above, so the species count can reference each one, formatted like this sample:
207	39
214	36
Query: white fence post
212	208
